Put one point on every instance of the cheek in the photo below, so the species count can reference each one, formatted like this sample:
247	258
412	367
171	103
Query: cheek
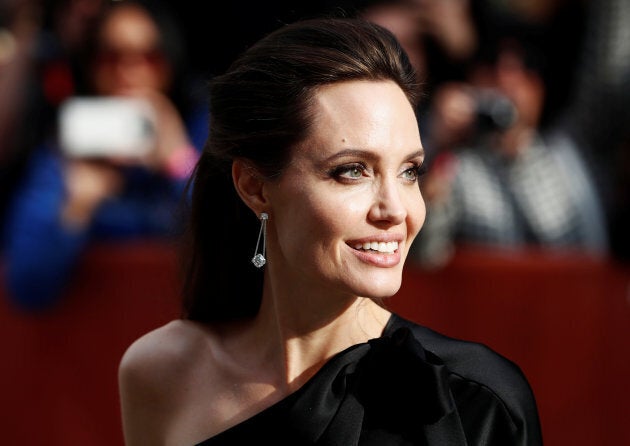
317	219
332	216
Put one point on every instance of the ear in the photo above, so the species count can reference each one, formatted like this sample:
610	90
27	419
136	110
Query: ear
250	185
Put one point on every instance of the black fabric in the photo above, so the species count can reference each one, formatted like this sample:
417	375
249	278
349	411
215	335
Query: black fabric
411	386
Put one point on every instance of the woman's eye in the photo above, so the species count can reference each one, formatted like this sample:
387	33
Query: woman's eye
410	174
413	173
351	172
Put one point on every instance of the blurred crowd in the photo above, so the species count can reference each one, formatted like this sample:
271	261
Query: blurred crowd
525	123
524	120
103	125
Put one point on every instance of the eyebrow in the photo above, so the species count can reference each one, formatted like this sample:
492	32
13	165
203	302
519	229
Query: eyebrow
367	154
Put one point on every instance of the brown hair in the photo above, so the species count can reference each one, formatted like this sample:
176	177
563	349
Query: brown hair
259	110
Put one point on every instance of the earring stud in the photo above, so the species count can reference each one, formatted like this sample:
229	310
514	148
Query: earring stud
259	259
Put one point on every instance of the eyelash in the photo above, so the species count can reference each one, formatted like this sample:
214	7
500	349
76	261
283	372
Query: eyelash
418	170
338	172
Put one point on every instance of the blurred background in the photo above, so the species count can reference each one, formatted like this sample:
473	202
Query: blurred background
526	247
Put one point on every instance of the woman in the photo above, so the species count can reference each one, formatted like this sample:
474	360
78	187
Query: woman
310	172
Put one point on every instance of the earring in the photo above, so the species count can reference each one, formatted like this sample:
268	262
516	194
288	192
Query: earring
259	259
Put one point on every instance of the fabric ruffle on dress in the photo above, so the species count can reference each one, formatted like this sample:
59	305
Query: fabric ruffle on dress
389	391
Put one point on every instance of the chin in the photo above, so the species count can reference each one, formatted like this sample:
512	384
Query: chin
378	287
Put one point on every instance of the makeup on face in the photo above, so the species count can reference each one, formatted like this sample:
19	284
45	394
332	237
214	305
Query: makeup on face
348	205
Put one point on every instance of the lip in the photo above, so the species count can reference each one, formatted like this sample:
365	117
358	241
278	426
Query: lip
382	237
378	259
374	258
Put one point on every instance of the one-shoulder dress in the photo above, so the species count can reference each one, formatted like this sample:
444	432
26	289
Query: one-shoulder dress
411	386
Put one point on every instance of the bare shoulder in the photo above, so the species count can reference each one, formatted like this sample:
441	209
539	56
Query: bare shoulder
157	376
164	351
169	342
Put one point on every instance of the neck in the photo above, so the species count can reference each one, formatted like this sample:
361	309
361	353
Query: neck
300	329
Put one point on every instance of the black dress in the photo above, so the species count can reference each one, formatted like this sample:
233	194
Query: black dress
411	386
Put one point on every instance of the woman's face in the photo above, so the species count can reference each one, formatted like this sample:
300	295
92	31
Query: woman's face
347	207
129	58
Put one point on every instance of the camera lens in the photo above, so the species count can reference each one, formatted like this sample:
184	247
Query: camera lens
494	111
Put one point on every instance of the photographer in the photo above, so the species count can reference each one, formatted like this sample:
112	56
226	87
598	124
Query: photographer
498	179
93	182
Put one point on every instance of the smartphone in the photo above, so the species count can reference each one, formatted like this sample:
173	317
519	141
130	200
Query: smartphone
106	127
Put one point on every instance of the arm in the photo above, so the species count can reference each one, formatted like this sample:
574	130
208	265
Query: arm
451	23
177	140
40	251
17	69
48	227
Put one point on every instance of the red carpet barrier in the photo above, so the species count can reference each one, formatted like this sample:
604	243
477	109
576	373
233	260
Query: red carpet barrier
564	320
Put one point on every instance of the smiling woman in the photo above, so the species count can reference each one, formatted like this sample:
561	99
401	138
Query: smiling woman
352	181
312	168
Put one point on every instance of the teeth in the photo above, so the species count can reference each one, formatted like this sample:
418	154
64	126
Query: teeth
384	247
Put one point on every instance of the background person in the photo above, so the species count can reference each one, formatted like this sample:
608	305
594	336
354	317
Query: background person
42	45
66	202
500	179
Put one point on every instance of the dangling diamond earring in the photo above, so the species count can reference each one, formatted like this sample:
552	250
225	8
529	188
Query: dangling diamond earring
259	259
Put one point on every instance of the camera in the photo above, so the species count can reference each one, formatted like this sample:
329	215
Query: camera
494	112
106	127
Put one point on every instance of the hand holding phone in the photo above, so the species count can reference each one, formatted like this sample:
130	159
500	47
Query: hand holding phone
106	127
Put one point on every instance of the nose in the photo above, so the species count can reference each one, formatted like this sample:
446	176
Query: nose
388	207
